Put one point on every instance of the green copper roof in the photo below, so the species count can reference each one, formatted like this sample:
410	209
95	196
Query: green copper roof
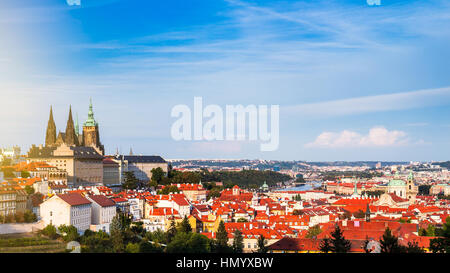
397	182
90	121
410	176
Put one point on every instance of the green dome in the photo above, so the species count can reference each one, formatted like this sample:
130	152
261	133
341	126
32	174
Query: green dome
396	182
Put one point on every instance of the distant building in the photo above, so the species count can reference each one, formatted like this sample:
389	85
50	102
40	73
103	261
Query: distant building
141	166
12	153
406	190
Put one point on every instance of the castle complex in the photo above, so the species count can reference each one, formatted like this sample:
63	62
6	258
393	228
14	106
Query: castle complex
81	155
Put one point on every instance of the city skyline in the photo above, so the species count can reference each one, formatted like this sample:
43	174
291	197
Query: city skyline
354	82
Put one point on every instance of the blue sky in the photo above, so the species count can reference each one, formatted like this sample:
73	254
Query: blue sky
353	81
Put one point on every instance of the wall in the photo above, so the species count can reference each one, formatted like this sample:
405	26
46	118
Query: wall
21	228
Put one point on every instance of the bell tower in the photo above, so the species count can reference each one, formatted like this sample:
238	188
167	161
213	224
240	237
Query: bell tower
411	189
91	136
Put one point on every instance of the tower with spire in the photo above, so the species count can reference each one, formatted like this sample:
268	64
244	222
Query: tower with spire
71	138
50	136
91	135
411	188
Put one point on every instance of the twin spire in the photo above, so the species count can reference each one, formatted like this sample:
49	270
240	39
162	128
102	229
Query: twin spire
71	135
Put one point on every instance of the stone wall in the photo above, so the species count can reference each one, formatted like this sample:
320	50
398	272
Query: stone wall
21	227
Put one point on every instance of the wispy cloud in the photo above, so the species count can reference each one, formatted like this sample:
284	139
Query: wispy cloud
376	137
369	104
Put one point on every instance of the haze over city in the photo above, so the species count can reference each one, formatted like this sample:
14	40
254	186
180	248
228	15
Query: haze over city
353	81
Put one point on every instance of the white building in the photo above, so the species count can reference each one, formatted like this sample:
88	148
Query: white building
67	209
103	211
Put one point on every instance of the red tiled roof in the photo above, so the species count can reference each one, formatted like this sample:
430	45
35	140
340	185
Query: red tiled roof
74	199
102	200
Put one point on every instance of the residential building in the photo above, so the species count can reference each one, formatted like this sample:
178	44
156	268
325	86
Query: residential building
67	209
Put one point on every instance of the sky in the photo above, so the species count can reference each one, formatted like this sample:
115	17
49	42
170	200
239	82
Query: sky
353	81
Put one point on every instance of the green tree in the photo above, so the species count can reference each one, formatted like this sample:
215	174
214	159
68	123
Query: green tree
188	243
157	175
442	244
117	231
338	243
25	174
413	247
238	241
132	248
29	216
50	231
261	243
69	233
222	236
96	242
185	226
359	214
313	232
130	181
325	245
389	243
431	230
29	189
138	228
148	247
171	232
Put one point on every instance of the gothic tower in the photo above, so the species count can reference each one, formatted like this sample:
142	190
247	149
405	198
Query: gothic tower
91	136
411	189
71	138
50	136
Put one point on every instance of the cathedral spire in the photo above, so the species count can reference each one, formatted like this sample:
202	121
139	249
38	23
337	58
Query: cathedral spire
50	136
77	126
71	139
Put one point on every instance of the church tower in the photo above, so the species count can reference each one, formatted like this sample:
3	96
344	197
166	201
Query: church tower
411	189
50	136
91	136
71	138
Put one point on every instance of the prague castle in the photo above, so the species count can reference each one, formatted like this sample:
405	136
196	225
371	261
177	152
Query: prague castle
81	155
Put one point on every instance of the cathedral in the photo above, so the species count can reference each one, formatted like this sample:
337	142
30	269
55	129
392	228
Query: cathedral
79	154
90	136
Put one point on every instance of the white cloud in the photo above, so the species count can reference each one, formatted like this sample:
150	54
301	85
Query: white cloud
377	137
378	103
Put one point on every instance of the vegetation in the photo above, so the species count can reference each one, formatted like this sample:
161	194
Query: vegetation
313	232
297	197
221	244
238	241
373	193
424	189
130	182
25	174
337	243
29	189
442	244
262	242
244	178
19	217
325	245
50	231
335	175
